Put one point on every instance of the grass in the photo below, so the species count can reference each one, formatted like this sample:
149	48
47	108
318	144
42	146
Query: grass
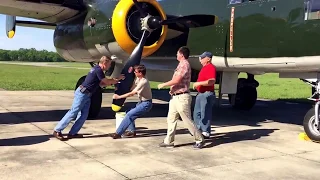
21	77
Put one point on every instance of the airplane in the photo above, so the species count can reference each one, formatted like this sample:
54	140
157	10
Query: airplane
250	36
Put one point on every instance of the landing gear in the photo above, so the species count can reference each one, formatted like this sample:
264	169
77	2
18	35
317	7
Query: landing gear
311	119
246	96
96	100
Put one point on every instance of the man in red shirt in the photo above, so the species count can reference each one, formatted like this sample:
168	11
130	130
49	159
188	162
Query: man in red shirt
202	113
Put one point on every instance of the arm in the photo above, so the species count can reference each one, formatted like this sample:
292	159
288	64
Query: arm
175	80
208	82
129	94
108	82
181	71
139	86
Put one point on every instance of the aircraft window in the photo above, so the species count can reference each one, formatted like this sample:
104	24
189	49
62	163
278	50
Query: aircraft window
239	1
235	1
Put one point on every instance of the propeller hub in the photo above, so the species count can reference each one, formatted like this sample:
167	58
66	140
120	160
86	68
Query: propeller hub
154	22
150	23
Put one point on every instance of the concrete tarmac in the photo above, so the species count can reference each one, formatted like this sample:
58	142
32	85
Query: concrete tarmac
258	144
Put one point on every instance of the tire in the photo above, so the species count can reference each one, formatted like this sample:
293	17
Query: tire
309	127
246	98
96	100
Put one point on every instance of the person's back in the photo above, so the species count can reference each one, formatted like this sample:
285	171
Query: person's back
93	78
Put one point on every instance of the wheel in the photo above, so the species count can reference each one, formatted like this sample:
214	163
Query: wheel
96	100
246	96
310	127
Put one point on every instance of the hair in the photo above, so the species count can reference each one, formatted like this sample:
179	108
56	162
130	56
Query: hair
141	68
184	51
104	59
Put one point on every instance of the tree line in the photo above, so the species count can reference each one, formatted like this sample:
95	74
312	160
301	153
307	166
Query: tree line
30	55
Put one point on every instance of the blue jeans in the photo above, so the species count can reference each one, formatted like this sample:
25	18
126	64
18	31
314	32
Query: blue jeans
128	121
202	113
79	111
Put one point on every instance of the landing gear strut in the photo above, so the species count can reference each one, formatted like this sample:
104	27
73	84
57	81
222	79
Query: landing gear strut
246	96
311	119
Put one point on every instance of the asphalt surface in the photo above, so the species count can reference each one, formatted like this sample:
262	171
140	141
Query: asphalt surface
259	144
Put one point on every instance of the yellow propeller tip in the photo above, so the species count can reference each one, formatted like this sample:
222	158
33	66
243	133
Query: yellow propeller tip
115	108
11	34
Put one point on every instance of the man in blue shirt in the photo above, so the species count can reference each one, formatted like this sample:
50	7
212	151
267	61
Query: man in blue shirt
82	99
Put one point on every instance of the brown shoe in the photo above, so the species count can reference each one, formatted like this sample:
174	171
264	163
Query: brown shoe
59	136
74	136
129	134
115	136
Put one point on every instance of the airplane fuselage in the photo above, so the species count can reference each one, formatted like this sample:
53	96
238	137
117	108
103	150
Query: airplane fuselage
270	36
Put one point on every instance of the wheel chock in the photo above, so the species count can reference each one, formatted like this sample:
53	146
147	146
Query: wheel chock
304	136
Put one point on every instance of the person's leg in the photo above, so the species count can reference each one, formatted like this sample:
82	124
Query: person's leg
207	111
76	107
81	118
185	113
204	120
172	123
132	115
132	127
197	111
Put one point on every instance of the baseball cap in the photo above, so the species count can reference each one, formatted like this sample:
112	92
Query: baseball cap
206	54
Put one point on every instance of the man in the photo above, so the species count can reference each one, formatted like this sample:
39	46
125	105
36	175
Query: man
142	88
181	101
81	103
202	113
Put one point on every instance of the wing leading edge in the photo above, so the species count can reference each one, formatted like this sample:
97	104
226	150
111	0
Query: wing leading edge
48	12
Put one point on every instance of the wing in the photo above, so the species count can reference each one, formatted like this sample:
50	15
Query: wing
51	11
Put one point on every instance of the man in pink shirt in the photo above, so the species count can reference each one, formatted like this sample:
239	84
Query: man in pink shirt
180	103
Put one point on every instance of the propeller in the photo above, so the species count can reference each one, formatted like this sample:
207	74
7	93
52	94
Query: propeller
123	86
150	23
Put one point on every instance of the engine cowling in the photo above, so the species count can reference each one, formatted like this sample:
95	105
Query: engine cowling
126	26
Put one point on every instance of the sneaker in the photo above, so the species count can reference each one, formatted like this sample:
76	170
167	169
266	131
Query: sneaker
198	145
166	145
206	135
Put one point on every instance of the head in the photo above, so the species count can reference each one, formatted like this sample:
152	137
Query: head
205	58
105	63
183	53
140	70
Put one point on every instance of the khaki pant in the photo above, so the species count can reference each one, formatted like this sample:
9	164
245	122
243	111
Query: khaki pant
181	105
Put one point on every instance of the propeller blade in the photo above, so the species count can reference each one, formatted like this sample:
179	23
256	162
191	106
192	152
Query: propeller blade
125	85
142	12
192	21
10	26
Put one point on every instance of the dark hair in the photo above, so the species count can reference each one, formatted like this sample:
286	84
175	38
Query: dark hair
141	68
184	50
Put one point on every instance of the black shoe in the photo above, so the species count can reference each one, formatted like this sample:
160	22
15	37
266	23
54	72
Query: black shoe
199	145
129	134
166	145
115	136
59	136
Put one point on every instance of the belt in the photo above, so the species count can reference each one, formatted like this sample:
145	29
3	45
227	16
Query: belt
84	90
175	94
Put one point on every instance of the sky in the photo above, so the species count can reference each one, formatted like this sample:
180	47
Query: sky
26	37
